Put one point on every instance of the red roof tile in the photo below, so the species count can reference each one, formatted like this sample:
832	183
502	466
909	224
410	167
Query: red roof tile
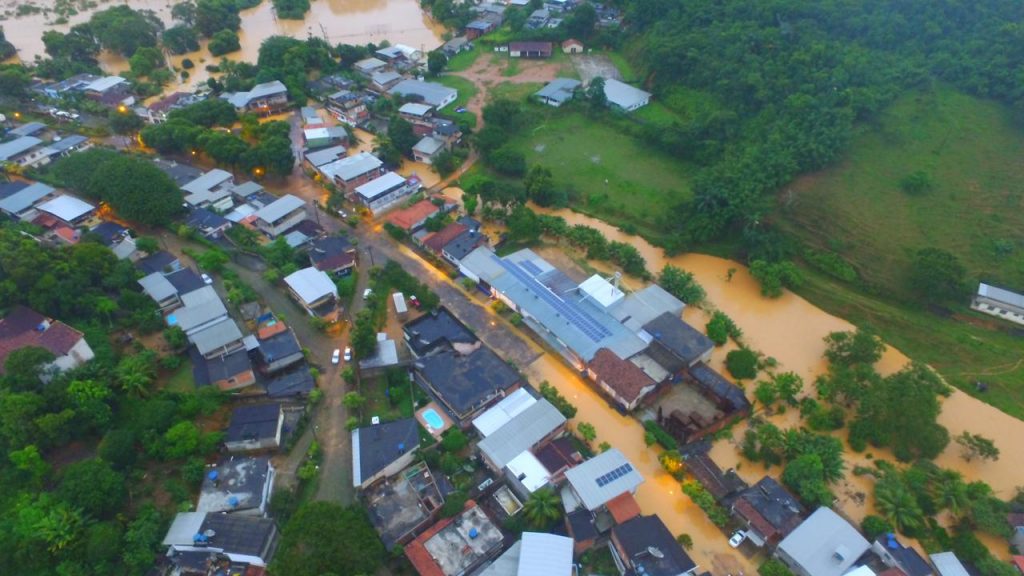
759	522
1018	561
409	217
21	328
438	240
622	376
623	507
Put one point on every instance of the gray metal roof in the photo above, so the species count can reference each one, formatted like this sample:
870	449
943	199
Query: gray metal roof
191	316
280	208
521	433
623	95
381	185
559	89
25	198
67	208
13	148
824	544
66	143
428	145
415	109
547	554
310	284
369	64
27	129
602	478
352	167
242	99
642	306
1001	295
157	286
947	564
183	528
207	181
382	78
430	92
246	189
325	155
216	336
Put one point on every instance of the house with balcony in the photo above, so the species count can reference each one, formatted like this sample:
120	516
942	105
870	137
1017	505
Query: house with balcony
280	215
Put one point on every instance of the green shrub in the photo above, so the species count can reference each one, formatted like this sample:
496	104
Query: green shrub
742	363
660	435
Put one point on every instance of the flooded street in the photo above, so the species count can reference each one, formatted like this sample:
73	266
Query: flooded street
339	21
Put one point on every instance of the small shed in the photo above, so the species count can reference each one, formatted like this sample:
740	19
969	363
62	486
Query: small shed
400	308
572	46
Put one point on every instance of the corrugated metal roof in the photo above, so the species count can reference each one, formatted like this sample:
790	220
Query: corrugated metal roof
311	284
521	432
623	95
25	198
381	185
1001	295
207	181
546	554
825	544
947	564
501	413
13	148
216	336
279	208
585	478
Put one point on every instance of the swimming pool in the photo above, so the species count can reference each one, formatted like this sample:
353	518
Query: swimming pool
433	419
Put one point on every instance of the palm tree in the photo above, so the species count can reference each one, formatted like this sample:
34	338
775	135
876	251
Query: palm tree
542	508
106	306
950	492
897	505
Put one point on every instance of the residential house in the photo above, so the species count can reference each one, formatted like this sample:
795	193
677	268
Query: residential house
68	209
478	28
644	545
315	291
218	340
314	159
207	223
23	327
508	450
211	189
558	91
385	355
160	261
597	481
279	349
382	450
421	117
229	372
535	553
456	46
403	506
310	117
243	539
572	46
348	107
947	564
333	254
538	19
581	525
427	149
384	80
384	191
109	90
390	54
460	246
280	216
999	302
823	545
21	205
293	383
27	129
324	136
436	330
237	485
415	217
264	99
769	511
497	416
354	171
117	238
676	345
436	241
182	174
466	384
201	309
558	456
368	66
59	148
625	382
624	97
20	150
432	93
529	49
903	558
446	131
456	546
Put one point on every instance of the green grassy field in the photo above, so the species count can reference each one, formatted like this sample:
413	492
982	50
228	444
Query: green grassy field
971	150
466	92
616	177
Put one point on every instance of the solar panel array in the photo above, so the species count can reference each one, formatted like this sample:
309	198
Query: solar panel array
567	309
531	267
614	475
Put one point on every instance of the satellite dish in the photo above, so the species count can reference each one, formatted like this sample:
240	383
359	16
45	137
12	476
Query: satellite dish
654	551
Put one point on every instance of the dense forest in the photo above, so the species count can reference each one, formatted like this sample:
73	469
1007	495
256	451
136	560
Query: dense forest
787	80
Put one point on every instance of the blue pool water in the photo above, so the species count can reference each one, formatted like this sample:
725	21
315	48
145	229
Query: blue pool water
433	419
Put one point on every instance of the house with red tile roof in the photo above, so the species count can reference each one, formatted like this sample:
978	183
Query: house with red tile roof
23	327
438	240
623	380
414	217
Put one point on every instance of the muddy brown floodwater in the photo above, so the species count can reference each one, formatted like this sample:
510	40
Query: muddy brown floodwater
339	21
791	330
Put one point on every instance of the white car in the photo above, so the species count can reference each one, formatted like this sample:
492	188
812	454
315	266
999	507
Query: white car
336	356
367	293
348	353
737	538
206	279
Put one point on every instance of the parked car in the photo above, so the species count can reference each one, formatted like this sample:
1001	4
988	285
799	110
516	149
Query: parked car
336	356
206	278
348	353
737	538
415	301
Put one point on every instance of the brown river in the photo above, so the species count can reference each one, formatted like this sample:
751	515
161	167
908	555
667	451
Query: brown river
339	21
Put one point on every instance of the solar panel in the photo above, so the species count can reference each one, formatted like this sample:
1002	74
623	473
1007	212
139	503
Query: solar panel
567	309
531	267
614	475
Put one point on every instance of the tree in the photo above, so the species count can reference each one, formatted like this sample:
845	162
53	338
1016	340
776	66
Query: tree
454	440
682	285
134	187
774	275
742	363
937	276
897	505
901	411
7	49
595	94
325	538
587	431
353	400
875	526
788	385
92	486
30	465
470	202
949	492
291	9
24	366
184	12
977	446
119	449
145	60
540	187
504	114
774	567
121	29
523	225
224	42
916	183
508	161
401	135
543	508
212	16
551	394
214	260
862	347
436	61
182	440
137	372
805	476
766	393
